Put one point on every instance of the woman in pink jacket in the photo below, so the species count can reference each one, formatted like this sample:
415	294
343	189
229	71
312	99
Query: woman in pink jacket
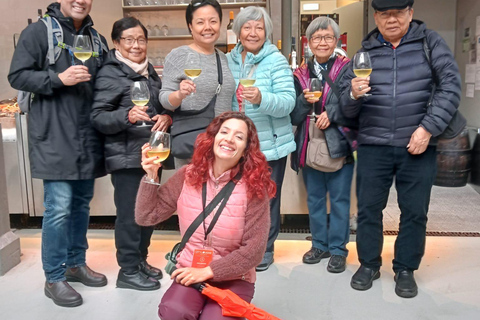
238	240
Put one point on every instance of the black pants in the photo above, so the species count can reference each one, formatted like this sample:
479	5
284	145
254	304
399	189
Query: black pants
131	240
278	173
414	176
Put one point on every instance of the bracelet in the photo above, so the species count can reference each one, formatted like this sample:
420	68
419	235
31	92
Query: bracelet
351	96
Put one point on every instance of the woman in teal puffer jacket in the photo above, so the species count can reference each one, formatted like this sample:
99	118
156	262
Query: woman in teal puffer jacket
271	99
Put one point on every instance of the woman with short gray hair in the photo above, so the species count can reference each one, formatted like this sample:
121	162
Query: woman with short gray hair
330	232
270	101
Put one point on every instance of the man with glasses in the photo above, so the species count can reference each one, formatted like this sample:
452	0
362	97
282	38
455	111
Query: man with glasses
65	151
397	135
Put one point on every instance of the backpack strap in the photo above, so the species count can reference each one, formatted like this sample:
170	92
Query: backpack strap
98	46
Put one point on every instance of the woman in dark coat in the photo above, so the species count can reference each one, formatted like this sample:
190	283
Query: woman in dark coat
114	114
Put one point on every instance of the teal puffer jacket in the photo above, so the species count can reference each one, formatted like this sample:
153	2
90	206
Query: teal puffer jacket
272	116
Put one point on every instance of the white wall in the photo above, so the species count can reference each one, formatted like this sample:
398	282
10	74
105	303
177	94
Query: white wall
351	22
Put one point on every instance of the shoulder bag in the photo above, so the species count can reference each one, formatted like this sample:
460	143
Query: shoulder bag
318	156
187	125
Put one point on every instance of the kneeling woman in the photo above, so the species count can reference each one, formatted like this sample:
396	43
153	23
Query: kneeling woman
238	240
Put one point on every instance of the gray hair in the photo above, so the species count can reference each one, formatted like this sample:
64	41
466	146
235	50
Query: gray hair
253	13
322	23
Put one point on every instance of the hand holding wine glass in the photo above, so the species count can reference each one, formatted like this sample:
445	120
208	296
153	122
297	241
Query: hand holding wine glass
192	66
140	95
82	47
362	67
316	89
153	153
247	80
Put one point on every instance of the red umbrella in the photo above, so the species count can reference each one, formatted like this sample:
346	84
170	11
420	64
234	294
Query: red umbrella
232	305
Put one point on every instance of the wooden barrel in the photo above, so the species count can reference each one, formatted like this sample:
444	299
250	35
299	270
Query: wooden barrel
454	160
475	176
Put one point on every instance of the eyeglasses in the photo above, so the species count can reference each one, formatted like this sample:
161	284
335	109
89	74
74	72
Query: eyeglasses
393	13
196	3
328	39
131	41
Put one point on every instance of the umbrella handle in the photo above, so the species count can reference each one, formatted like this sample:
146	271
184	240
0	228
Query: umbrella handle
199	286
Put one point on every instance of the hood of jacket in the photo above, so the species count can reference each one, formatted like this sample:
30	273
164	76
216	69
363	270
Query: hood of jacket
416	31
53	10
267	49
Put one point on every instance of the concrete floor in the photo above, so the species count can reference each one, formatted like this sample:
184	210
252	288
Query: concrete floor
448	284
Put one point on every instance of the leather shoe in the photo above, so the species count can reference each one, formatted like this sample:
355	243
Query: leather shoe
63	294
314	255
137	281
86	276
405	286
336	264
363	278
150	271
266	262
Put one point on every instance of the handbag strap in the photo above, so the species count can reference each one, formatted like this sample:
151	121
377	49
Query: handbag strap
332	85
224	194
219	72
426	49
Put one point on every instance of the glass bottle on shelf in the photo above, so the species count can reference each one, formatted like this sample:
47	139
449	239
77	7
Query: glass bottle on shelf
231	36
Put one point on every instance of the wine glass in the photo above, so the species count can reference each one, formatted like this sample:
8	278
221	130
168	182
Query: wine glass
247	79
316	87
140	95
192	67
160	144
362	66
82	47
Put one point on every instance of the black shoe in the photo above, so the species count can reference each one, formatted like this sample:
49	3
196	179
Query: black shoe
62	294
150	271
405	286
363	278
86	276
266	262
314	255
336	264
137	281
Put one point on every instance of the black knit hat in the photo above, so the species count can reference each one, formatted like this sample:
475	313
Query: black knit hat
384	5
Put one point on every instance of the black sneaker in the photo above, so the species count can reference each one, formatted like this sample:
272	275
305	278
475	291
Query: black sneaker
266	262
314	255
137	281
363	278
336	264
405	286
150	271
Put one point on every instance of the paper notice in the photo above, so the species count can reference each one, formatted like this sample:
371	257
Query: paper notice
470	92
470	71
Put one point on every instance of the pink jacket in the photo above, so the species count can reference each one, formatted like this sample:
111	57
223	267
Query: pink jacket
239	236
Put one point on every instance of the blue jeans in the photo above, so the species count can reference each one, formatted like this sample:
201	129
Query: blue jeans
414	176
65	224
330	232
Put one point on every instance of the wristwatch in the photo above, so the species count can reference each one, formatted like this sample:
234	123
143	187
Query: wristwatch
351	96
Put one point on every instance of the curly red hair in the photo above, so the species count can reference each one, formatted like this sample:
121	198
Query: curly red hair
253	164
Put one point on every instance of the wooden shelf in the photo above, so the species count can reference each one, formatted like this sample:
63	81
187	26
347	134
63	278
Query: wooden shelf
179	37
184	6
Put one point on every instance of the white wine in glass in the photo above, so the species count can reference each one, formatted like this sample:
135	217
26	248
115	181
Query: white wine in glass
316	87
247	79
362	66
192	67
82	48
140	95
160	144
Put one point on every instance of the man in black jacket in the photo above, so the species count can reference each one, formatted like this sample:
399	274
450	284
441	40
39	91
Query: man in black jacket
397	135
65	150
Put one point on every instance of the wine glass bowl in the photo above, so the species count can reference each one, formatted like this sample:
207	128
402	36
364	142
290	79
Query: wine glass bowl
160	147
192	67
140	95
362	66
82	47
316	88
247	79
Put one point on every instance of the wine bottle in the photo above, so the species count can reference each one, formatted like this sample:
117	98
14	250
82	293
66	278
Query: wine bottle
39	16
293	56
231	36
279	45
29	21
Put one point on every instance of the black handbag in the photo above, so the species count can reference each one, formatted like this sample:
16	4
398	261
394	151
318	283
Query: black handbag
458	121
187	125
222	196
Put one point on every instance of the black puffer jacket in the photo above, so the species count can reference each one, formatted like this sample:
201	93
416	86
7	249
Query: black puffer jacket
401	84
111	104
63	145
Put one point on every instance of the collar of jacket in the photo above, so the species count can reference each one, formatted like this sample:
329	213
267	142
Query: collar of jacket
417	32
53	10
267	49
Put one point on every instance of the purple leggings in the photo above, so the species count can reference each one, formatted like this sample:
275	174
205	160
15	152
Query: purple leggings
185	303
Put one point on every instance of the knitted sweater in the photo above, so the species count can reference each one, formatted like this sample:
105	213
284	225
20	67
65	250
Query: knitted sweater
155	205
